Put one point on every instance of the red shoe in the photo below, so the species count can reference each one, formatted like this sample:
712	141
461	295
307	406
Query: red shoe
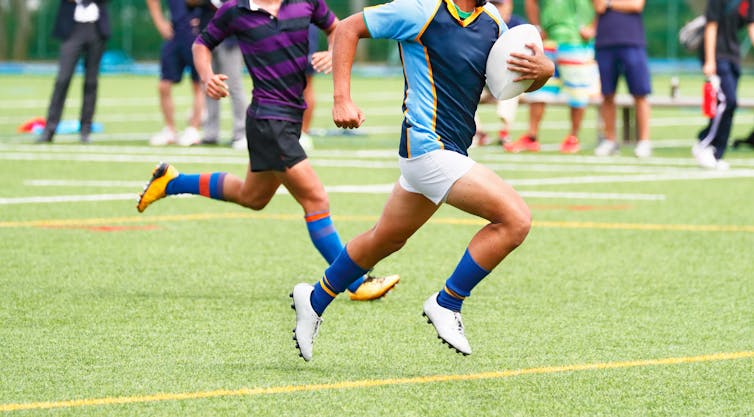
503	136
524	143
570	144
481	138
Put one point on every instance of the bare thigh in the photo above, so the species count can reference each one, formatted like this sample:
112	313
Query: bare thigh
304	185
255	191
482	193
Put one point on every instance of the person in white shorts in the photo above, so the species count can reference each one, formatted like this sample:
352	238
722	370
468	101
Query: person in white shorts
454	41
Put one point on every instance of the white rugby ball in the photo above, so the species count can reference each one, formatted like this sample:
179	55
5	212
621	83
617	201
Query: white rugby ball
499	77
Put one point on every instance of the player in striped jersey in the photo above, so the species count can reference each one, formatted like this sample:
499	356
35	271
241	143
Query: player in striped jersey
273	37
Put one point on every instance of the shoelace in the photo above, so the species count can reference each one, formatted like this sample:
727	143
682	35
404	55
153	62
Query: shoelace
317	322
459	323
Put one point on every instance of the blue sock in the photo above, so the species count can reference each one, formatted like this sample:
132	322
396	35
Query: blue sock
206	184
325	238
335	280
465	277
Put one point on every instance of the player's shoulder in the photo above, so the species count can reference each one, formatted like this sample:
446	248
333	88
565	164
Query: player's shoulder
410	8
491	11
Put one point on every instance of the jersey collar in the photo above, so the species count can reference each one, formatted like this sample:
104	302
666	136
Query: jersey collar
453	12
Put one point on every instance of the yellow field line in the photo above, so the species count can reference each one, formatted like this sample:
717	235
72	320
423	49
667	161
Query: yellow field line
369	383
439	220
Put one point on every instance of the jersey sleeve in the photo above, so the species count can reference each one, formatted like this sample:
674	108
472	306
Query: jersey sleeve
714	11
219	27
492	11
322	16
399	19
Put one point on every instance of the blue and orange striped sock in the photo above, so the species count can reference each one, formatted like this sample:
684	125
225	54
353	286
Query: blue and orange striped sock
326	239
206	184
466	276
337	277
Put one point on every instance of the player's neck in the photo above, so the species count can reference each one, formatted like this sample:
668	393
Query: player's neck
270	6
465	5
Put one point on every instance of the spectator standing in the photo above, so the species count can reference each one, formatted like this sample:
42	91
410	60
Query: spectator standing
83	26
178	34
721	57
309	94
227	59
567	29
621	49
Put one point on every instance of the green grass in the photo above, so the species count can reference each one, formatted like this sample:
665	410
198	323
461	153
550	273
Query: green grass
97	301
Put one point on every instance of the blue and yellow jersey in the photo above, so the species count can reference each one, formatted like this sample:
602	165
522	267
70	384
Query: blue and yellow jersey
444	62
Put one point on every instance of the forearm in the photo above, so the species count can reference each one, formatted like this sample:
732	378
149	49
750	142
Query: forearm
531	7
202	61
155	11
710	41
345	40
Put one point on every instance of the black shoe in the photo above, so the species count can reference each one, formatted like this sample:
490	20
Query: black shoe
209	141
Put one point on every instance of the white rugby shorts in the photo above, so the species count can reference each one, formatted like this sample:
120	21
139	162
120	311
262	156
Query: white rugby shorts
433	174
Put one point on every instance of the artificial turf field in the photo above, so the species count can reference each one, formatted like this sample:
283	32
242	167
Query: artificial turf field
632	296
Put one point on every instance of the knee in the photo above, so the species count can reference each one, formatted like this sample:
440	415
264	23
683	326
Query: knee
255	203
315	202
515	227
164	88
731	105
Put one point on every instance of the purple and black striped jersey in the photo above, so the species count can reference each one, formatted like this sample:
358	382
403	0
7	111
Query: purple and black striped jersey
275	50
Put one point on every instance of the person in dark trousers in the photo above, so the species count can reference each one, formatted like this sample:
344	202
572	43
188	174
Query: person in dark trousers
83	26
721	57
749	140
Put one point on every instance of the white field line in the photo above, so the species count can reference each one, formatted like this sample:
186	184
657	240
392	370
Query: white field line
356	159
478	154
320	162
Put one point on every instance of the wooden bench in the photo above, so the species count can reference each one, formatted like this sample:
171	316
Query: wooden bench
625	104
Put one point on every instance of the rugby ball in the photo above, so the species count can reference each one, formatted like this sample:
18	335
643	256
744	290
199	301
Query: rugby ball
499	77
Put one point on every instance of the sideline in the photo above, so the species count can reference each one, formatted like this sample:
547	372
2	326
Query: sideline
371	383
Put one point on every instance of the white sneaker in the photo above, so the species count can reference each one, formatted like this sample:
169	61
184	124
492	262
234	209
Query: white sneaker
606	148
163	137
705	156
239	144
306	142
643	149
722	165
448	324
190	136
307	320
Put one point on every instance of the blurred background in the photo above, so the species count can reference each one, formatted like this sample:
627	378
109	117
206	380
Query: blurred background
25	27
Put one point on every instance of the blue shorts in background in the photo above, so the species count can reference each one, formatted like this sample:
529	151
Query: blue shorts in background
175	58
629	61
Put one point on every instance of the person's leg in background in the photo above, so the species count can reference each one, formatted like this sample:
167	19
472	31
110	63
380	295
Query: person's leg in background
211	124
95	48
580	77
529	141
729	73
70	50
639	83
170	73
506	111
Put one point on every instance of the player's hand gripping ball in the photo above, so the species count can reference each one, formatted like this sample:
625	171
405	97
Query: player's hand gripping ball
499	77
